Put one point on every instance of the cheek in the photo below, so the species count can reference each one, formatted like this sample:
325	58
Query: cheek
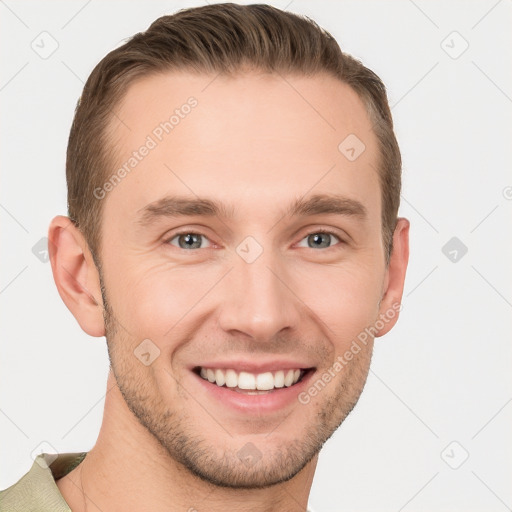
151	301
345	298
155	300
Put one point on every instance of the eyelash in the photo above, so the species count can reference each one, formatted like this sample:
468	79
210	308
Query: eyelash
315	232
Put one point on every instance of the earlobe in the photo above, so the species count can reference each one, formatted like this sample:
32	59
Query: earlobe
395	276
76	275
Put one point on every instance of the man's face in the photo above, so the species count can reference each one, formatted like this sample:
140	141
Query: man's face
251	288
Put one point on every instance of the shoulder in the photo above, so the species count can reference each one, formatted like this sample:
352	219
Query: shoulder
37	490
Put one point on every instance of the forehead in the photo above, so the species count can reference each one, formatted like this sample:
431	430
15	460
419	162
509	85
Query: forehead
254	137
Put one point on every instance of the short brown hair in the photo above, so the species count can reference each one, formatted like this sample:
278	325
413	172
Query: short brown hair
220	38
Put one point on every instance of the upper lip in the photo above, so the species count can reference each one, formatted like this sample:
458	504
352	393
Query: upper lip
255	367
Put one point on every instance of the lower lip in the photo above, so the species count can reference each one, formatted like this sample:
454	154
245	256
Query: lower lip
273	401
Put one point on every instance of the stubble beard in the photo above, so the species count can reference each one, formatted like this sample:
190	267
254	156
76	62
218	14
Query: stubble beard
190	447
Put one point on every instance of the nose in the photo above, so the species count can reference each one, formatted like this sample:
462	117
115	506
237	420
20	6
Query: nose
258	299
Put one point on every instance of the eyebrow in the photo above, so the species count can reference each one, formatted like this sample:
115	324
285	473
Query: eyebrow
318	204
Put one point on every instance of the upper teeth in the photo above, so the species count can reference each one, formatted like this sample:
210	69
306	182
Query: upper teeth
245	380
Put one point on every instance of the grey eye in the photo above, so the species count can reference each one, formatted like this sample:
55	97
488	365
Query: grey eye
188	240
319	240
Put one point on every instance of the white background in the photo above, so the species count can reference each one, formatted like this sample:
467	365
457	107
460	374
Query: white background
443	373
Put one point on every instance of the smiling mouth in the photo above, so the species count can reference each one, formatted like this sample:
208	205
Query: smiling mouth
252	383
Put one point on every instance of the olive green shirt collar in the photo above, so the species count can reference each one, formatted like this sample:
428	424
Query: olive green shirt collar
37	490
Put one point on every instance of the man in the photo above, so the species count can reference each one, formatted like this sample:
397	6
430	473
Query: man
233	189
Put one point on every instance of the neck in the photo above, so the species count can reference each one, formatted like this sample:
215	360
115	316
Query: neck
127	469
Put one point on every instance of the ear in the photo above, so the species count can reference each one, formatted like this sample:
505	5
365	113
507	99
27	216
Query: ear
76	275
390	305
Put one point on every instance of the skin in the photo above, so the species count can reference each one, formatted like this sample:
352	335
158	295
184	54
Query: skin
252	142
